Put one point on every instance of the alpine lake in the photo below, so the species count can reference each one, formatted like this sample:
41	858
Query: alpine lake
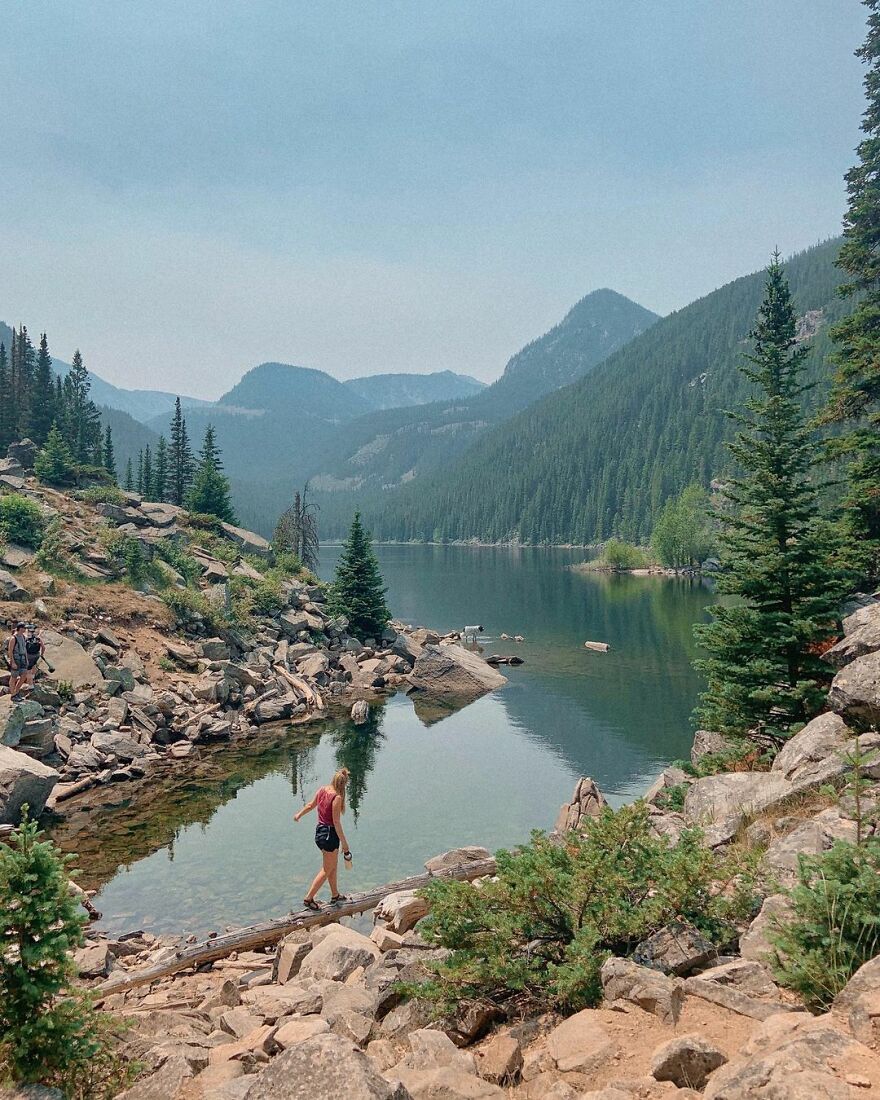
213	844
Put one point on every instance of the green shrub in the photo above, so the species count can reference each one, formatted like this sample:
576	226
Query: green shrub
178	558
185	602
834	925
250	597
672	798
741	756
103	494
65	691
54	554
85	472
127	554
202	521
617	554
49	1031
537	937
21	520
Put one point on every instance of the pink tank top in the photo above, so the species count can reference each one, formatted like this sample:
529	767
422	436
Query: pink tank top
325	806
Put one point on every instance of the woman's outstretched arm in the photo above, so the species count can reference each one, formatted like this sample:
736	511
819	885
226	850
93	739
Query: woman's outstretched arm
309	806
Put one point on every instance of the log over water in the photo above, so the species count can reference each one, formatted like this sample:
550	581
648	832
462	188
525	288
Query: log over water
270	932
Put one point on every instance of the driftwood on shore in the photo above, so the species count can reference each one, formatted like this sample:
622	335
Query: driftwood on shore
270	932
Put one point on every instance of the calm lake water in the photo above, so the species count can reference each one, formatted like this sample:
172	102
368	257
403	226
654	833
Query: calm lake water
220	847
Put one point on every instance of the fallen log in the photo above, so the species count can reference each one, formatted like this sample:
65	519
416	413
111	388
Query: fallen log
598	647
270	932
300	685
498	659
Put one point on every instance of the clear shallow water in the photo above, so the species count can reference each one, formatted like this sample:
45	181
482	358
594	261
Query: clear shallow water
220	847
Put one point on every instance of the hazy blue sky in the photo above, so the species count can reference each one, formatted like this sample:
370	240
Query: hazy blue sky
189	188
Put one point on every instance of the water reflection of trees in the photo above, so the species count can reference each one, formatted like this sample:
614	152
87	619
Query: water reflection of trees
356	748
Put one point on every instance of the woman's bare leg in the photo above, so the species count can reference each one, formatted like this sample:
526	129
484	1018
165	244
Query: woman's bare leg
331	866
318	881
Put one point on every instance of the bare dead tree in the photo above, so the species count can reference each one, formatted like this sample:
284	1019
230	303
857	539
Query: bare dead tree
296	531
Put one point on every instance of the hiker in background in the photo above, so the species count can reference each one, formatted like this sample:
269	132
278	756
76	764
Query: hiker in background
16	658
36	649
329	835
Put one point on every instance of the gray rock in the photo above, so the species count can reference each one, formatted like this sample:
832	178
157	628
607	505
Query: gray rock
817	753
861	636
23	453
452	672
293	622
732	795
16	557
11	589
686	1061
23	780
753	943
13	717
163	1084
120	746
325	1066
71	662
810	838
215	649
248	541
624	980
406	647
865	980
676	949
707	743
855	690
457	857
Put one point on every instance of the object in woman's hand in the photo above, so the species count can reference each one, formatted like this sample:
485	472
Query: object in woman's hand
347	857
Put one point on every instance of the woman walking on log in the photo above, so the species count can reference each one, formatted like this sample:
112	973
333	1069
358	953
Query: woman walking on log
329	834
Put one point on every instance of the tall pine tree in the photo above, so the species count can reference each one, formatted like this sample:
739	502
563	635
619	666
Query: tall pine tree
763	670
358	591
147	473
43	400
181	464
854	401
210	489
129	475
7	409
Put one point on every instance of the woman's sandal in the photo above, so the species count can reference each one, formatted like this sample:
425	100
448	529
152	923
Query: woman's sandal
310	903
338	898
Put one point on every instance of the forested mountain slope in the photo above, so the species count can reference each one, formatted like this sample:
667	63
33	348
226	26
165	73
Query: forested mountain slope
601	456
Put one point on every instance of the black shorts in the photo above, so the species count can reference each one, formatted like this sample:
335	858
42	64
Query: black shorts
327	838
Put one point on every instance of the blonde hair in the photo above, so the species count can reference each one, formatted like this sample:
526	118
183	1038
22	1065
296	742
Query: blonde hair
338	783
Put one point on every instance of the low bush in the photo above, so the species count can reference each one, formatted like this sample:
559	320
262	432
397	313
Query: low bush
180	559
128	556
21	521
252	597
536	937
834	925
187	602
54	553
617	554
49	1032
103	494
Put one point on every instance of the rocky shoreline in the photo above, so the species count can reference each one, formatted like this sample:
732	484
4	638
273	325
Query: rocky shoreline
321	1012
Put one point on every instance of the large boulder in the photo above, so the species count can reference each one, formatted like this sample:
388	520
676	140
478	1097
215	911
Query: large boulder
113	743
401	910
457	857
861	636
338	954
580	1044
247	541
855	690
13	717
23	780
445	1083
865	980
793	1056
11	589
586	802
816	753
70	661
708	743
650	990
754	943
811	838
729	797
686	1061
325	1066
452	672
677	948
23	453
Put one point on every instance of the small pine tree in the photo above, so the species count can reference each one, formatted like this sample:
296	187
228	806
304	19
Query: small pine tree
358	591
108	454
160	470
762	666
147	473
55	464
854	401
139	481
49	1032
129	475
210	491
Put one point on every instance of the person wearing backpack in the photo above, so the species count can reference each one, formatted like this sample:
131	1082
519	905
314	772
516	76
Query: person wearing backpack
17	659
36	649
